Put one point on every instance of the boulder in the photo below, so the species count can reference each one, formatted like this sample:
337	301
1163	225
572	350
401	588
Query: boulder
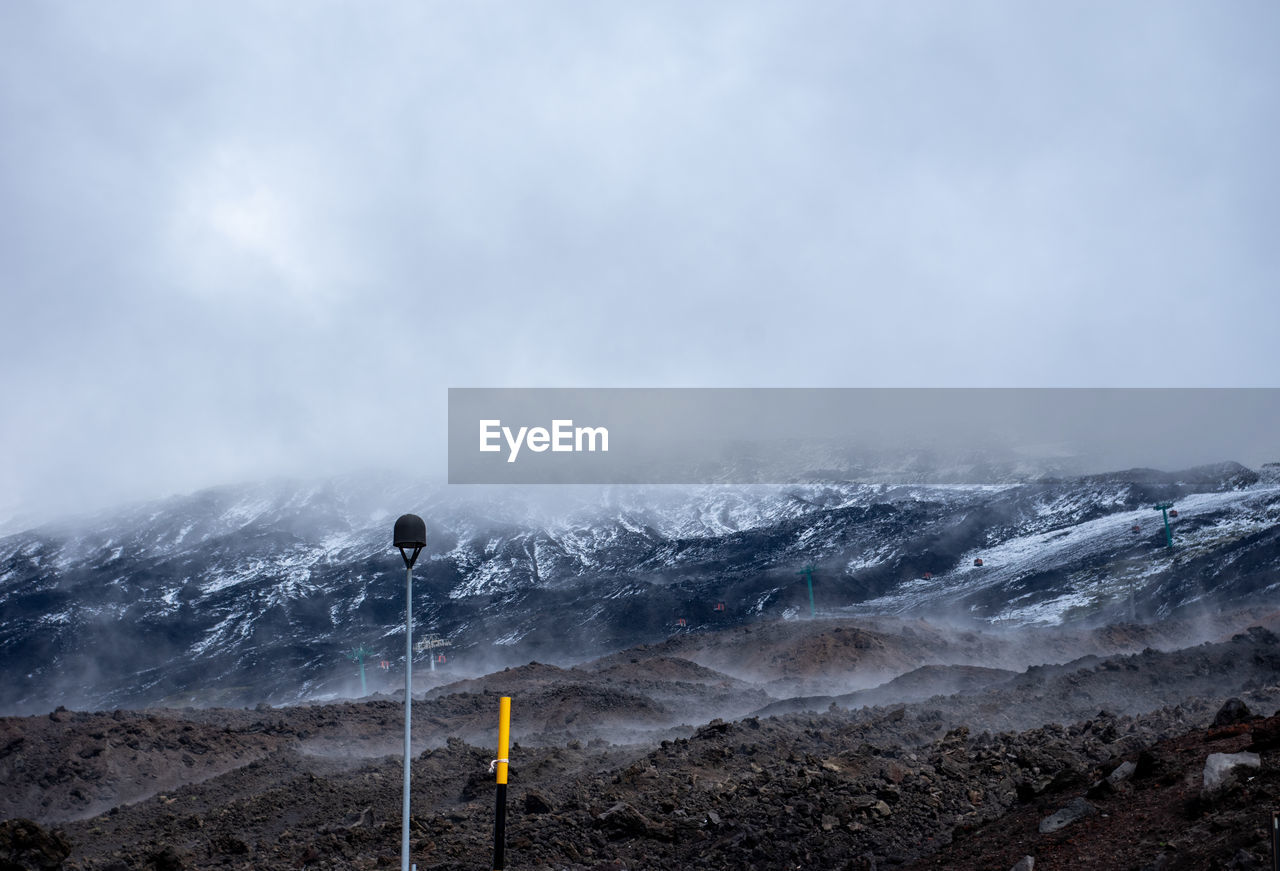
1232	711
1218	767
1075	810
1122	773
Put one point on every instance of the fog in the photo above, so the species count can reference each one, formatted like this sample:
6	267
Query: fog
241	242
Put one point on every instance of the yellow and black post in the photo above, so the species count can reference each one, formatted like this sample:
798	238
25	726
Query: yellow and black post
500	765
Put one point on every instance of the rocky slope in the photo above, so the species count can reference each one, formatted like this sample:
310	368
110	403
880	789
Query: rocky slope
244	594
1096	761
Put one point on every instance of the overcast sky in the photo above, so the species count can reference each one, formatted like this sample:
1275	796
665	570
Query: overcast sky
247	239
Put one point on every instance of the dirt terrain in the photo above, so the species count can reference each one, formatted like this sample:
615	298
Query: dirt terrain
824	744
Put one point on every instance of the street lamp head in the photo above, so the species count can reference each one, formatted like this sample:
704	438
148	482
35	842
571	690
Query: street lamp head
410	535
410	531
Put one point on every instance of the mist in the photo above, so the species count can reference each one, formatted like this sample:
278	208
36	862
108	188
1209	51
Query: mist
241	243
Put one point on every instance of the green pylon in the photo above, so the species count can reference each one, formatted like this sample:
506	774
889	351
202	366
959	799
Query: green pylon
358	655
808	571
1163	508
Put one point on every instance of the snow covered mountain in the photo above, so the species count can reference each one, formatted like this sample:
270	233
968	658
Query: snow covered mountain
251	593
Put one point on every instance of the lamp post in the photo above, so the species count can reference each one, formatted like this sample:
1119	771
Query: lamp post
410	536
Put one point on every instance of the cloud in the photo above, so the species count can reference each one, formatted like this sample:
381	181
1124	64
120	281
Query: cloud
243	239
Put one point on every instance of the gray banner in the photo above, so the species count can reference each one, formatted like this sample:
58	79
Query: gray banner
749	435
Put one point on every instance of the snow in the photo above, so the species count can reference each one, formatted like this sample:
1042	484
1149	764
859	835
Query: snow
247	510
488	577
621	592
494	542
217	581
234	625
1056	548
764	600
337	542
870	558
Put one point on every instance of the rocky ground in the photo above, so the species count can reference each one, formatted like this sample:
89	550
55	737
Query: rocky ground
831	744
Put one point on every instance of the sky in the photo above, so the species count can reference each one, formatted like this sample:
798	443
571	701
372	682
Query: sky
241	240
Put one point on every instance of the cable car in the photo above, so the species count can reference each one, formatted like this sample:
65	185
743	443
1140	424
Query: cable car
719	606
928	576
440	659
681	622
1136	528
384	665
977	560
1173	512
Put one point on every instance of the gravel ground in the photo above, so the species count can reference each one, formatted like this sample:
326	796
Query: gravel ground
953	766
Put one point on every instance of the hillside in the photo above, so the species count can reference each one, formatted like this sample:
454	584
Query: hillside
648	759
247	594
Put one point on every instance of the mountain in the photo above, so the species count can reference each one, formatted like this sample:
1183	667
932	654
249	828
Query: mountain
242	594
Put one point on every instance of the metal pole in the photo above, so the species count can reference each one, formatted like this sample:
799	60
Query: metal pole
408	710
500	765
363	691
410	535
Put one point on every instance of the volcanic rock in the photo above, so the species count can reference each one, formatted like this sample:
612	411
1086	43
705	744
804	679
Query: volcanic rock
536	803
623	819
1232	711
1218	767
26	846
1075	810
